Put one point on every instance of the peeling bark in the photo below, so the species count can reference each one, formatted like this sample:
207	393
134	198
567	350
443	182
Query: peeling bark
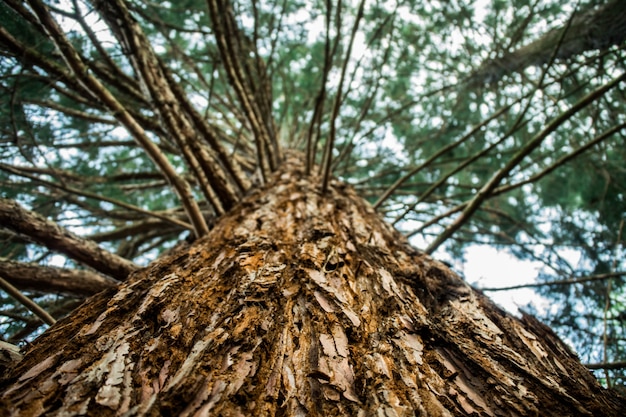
298	303
9	355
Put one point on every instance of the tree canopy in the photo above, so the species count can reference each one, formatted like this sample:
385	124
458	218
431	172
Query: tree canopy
129	127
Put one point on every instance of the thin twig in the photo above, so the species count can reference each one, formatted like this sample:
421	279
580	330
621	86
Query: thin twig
555	283
27	302
491	185
330	142
94	196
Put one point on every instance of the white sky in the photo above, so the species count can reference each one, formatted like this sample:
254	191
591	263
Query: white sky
488	267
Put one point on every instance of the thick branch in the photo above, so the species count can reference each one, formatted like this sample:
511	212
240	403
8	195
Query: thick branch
30	276
232	50
49	234
219	189
330	142
312	136
595	29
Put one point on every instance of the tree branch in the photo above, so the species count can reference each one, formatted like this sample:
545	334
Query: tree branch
592	30
49	234
330	142
437	154
605	365
82	72
26	302
580	280
312	135
97	197
34	277
232	50
491	185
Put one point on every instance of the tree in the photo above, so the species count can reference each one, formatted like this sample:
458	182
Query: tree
292	295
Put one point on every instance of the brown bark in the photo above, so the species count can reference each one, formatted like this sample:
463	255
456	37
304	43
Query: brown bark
298	303
595	29
34	277
51	235
9	355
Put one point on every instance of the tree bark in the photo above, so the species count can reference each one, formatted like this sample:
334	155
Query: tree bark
298	303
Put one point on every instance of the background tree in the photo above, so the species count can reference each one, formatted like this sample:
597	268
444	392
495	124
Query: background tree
133	127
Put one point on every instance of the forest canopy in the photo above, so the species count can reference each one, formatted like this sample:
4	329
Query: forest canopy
128	128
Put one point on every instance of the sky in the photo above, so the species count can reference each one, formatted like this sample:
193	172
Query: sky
488	267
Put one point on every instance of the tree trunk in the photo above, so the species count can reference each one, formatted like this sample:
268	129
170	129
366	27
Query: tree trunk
298	303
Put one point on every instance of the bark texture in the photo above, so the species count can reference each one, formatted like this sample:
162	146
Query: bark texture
298	304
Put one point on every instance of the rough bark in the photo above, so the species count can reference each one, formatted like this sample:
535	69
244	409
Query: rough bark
9	355
298	303
595	29
51	235
34	277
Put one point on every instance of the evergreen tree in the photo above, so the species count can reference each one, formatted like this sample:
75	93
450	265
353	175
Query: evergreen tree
236	142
